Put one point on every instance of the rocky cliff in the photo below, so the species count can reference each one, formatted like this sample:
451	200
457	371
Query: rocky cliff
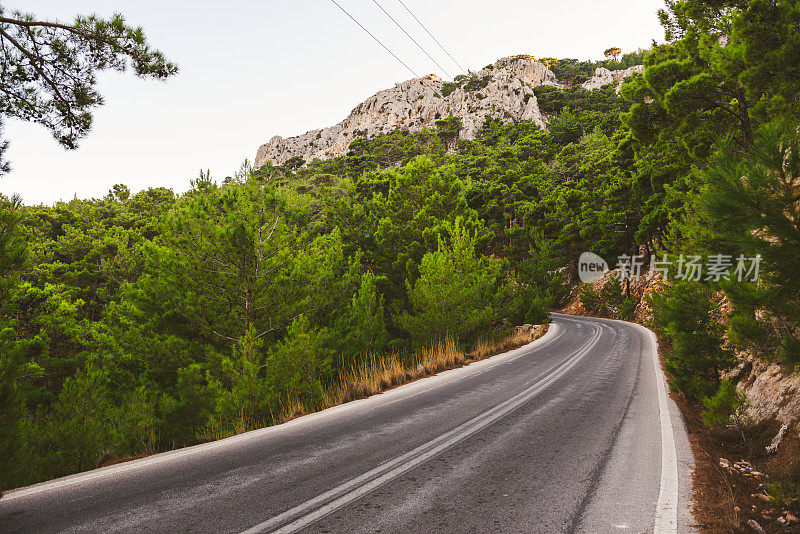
504	91
603	76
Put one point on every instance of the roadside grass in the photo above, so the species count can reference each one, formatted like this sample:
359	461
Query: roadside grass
216	429
376	374
370	376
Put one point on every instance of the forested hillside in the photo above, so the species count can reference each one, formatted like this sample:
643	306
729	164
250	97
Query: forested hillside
137	323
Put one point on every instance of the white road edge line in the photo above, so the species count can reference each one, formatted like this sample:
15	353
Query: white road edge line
666	520
315	509
667	507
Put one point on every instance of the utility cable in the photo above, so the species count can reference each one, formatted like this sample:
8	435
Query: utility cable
412	39
376	39
432	37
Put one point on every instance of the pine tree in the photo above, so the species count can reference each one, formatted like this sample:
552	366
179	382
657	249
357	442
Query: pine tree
752	202
49	69
454	294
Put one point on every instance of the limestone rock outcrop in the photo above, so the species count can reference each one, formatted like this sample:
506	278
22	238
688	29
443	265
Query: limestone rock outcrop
772	392
504	91
603	76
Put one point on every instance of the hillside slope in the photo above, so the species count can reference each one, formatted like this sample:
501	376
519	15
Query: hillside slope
504	92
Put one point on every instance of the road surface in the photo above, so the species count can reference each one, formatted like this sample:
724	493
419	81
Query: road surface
573	433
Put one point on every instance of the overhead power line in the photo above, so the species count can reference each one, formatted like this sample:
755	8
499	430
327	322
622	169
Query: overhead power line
432	37
376	39
412	39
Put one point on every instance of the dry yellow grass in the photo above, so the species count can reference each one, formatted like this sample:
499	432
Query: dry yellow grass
293	408
376	374
217	429
369	377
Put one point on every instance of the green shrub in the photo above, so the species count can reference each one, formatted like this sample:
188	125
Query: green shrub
612	292
571	71
727	405
539	310
363	327
748	333
448	88
788	352
589	298
782	492
476	83
685	313
298	363
627	310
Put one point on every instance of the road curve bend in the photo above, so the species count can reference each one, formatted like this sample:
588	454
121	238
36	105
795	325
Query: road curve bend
572	433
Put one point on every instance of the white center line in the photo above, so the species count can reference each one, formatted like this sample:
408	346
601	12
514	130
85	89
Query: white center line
315	509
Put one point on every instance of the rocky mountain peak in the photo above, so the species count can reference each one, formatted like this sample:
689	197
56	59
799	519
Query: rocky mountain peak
503	91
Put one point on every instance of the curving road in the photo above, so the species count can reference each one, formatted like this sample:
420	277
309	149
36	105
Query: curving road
573	433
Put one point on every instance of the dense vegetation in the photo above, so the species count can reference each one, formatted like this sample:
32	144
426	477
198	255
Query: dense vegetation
719	106
135	323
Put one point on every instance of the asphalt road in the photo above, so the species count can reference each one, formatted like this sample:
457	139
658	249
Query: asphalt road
573	433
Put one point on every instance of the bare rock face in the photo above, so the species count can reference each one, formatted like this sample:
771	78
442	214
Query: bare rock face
603	76
410	105
528	70
504	92
772	393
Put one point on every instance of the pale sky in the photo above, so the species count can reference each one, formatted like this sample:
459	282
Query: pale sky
252	70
